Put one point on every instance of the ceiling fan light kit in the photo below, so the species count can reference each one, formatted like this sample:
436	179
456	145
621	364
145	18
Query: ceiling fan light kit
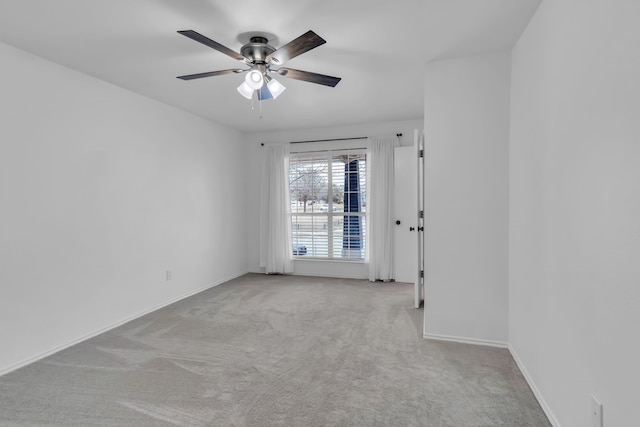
254	79
261	57
275	87
245	90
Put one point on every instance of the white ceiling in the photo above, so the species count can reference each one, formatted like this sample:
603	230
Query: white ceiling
380	50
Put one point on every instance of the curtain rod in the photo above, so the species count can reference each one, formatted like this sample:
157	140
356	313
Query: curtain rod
328	140
334	139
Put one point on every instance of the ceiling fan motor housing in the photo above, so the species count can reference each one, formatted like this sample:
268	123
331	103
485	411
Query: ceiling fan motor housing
257	50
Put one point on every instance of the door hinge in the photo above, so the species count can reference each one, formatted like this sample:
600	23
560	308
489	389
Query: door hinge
422	273
421	153
421	214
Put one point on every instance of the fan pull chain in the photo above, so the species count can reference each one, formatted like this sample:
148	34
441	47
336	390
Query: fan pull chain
260	102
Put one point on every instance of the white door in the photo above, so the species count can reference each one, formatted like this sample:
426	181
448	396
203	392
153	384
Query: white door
409	204
405	206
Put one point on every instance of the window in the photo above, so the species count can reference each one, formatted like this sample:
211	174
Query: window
328	204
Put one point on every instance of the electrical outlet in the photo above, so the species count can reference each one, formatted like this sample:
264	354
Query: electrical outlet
596	412
168	275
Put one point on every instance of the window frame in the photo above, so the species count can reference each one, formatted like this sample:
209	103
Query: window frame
331	217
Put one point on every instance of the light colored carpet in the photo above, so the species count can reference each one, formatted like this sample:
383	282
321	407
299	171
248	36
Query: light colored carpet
274	351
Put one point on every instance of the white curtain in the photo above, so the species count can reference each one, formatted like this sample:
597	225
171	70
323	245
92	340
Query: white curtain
275	229
380	206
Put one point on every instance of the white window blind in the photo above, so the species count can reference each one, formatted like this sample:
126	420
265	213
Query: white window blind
328	204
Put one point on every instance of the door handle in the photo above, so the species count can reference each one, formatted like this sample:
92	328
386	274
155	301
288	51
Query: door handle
398	222
411	228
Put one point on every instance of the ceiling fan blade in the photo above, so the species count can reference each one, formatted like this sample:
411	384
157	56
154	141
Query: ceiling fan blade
212	44
307	76
302	44
210	74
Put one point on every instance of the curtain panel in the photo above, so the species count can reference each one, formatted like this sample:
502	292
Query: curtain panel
380	206
275	219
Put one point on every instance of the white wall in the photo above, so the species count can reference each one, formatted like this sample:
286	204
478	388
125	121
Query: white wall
575	208
101	191
255	158
466	218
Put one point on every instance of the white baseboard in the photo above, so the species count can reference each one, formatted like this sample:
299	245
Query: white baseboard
536	392
332	276
465	340
58	348
321	274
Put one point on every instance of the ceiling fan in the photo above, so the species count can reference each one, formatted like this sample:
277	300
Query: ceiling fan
263	59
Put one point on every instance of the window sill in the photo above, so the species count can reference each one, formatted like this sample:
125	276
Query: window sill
323	260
